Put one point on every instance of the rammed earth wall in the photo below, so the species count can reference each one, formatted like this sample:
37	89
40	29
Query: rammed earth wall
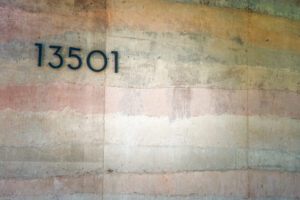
205	106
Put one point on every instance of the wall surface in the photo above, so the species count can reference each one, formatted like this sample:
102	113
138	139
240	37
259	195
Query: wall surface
206	104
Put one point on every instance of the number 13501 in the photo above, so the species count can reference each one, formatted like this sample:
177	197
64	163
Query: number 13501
73	54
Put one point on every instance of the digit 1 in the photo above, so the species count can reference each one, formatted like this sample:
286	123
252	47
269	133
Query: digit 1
40	46
116	60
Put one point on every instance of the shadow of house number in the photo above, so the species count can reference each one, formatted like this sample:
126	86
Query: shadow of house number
73	54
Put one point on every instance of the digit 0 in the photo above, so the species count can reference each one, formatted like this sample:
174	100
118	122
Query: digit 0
89	58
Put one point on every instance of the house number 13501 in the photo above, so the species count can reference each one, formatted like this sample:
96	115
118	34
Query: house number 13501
73	54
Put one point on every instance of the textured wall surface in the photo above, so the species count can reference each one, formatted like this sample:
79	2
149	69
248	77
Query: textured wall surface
206	104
